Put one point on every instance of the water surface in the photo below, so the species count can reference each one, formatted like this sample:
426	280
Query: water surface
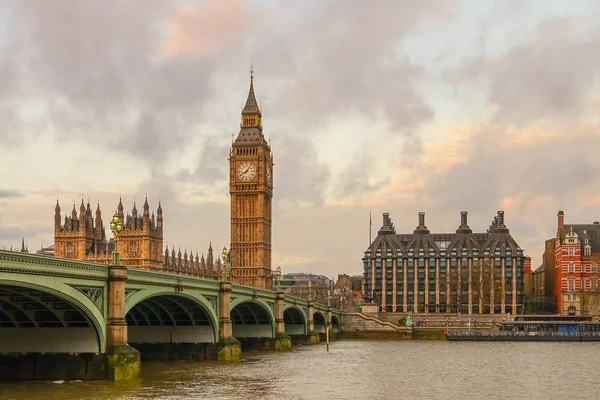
358	370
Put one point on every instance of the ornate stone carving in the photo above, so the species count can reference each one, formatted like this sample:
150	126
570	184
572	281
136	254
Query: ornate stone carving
129	293
213	302
95	294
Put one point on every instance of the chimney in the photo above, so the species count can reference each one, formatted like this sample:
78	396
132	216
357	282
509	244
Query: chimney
561	219
464	226
388	226
421	228
386	219
501	218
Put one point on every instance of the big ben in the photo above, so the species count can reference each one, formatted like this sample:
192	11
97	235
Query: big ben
251	190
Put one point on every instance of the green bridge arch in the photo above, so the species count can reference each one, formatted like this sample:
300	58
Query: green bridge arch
262	303
67	293
193	295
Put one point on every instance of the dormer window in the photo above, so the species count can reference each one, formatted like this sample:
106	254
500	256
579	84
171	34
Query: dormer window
587	250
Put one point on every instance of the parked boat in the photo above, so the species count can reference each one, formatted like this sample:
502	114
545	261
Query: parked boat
532	328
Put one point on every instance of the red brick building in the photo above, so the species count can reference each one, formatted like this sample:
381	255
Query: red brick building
575	266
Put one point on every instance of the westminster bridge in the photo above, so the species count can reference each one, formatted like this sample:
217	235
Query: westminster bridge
68	319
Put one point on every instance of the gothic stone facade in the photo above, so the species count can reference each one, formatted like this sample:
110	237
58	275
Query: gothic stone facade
251	190
83	237
462	272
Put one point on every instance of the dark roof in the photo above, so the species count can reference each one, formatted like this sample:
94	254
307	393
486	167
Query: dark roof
438	242
591	232
250	136
251	107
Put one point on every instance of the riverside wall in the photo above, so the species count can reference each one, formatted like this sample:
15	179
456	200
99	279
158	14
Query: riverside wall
392	326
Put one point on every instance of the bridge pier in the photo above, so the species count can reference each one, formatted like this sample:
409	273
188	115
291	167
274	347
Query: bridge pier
311	337
281	341
122	360
228	348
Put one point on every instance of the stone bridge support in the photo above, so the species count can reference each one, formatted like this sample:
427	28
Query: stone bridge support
123	361
311	336
229	348
281	341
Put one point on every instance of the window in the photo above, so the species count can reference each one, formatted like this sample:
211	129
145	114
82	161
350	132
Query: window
594	267
571	267
133	248
587	250
69	249
582	268
571	252
582	283
571	285
594	284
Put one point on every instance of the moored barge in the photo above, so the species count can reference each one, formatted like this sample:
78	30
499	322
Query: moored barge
551	329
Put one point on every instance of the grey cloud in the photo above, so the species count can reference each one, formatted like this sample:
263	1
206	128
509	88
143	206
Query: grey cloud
548	76
212	165
14	233
357	180
299	175
9	193
96	65
344	61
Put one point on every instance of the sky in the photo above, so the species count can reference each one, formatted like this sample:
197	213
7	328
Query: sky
371	107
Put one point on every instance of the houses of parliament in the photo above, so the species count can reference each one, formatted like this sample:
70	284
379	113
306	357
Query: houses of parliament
82	235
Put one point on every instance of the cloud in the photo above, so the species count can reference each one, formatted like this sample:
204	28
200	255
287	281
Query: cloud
95	66
9	193
14	233
299	177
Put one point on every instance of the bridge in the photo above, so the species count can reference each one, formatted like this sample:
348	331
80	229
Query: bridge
67	319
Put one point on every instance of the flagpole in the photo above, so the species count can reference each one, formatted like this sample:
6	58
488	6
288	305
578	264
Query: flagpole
370	228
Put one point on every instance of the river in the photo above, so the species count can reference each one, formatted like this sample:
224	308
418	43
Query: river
358	370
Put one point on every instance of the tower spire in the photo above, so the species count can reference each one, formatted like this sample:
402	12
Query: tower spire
251	107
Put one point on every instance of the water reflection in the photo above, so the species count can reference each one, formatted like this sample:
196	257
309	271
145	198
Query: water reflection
356	370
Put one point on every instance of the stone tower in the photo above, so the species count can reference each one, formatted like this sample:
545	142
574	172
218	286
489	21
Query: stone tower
251	189
83	237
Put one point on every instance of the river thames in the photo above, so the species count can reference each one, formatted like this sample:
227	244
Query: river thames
357	370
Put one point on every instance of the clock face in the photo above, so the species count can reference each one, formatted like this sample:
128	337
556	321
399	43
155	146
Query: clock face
246	171
269	175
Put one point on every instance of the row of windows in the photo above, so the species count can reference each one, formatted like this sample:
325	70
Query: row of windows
593	267
443	253
593	284
587	251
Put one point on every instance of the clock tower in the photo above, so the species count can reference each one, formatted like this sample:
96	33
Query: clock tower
251	189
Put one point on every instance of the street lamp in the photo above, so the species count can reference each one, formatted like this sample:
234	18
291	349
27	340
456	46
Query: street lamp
278	277
225	257
309	291
116	227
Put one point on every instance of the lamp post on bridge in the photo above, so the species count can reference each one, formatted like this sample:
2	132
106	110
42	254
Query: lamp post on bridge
123	360
116	226
309	291
279	278
225	257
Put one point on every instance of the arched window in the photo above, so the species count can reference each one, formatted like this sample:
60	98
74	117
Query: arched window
70	250
133	248
587	250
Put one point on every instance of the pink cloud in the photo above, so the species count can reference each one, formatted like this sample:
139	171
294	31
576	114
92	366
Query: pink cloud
542	201
200	28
